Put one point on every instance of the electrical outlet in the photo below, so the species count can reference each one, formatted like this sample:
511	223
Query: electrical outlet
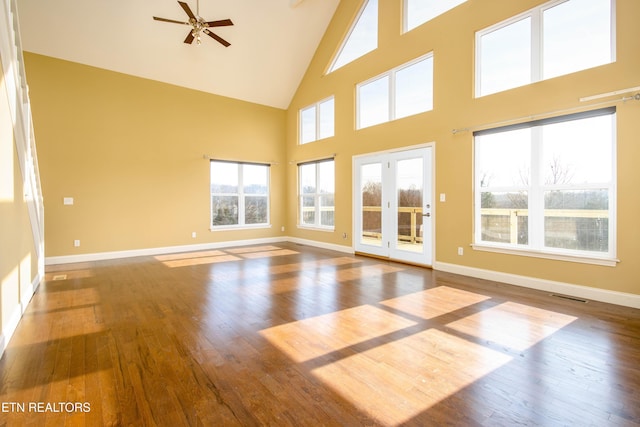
460	250
76	243
193	234
282	228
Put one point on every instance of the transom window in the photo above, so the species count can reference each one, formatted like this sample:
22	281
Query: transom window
548	186
362	37
556	38
317	121
401	92
316	194
417	12
239	194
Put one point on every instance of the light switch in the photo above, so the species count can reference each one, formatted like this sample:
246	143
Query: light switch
443	197
68	200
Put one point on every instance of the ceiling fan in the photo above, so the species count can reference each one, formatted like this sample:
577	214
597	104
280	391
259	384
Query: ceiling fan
199	25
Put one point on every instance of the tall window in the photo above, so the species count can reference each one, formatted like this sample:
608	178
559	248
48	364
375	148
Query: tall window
239	194
317	121
398	93
548	185
417	12
362	37
316	193
556	38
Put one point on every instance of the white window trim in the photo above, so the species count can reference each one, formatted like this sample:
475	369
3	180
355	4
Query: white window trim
536	42
241	200
316	106
392	91
535	235
316	196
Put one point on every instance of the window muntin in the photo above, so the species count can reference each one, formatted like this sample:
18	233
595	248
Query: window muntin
239	194
317	121
548	187
556	38
400	92
417	12
362	38
316	194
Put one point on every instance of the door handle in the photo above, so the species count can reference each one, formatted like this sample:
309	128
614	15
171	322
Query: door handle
427	214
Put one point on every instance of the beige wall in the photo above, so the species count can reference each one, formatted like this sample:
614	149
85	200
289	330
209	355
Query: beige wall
18	259
130	153
451	38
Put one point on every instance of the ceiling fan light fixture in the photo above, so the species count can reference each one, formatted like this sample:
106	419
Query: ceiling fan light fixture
198	24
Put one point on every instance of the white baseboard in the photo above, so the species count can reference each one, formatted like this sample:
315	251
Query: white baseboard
101	256
330	246
584	292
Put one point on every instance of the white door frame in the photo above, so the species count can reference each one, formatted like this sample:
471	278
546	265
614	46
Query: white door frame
428	234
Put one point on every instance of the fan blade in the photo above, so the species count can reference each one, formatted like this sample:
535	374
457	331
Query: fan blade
189	38
170	20
217	38
221	23
187	9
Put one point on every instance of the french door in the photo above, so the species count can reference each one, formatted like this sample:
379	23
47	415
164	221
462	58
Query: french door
393	206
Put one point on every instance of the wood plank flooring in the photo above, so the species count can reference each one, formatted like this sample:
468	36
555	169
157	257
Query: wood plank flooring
287	335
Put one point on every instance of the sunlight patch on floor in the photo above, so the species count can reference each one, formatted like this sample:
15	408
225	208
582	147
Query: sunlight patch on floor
317	336
396	381
186	259
434	302
517	326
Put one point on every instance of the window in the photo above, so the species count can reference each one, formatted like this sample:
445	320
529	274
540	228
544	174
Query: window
398	93
548	185
417	12
316	121
316	193
556	38
362	37
239	194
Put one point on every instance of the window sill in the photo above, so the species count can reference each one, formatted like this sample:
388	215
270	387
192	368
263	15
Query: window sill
317	228
239	227
604	261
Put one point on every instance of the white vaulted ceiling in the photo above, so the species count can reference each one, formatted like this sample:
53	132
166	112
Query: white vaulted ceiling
272	41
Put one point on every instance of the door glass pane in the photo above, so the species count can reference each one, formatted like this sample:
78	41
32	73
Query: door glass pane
505	57
371	193
409	192
577	36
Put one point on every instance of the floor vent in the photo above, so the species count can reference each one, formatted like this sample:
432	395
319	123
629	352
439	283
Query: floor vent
584	301
60	277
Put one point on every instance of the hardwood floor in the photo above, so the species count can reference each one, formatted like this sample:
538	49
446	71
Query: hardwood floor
286	335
